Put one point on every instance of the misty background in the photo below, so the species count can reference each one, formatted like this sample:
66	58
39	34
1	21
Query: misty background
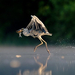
57	15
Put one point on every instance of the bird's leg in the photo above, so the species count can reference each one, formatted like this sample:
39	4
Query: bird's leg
46	45
38	45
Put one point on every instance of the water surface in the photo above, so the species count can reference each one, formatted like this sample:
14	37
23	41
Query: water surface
23	61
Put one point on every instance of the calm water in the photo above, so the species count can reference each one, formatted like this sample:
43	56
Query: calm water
23	61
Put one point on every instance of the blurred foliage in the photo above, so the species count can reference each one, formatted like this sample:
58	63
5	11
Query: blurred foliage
57	15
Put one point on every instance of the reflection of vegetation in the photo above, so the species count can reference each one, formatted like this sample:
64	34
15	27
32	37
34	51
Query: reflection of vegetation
42	67
58	16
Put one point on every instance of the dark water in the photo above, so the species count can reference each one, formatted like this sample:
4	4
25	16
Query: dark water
23	61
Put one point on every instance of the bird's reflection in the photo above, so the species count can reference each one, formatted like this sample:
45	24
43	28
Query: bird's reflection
42	67
19	72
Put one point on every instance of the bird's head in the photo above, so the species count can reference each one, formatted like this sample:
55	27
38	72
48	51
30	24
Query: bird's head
20	31
23	31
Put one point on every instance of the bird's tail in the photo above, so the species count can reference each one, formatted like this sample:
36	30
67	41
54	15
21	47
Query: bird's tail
49	34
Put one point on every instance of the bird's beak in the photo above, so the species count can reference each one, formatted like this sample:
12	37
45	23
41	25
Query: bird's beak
19	31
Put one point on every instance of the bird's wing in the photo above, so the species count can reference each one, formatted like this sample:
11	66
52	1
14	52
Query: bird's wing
39	26
30	25
36	25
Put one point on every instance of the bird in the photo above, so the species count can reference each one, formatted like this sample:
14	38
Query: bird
36	29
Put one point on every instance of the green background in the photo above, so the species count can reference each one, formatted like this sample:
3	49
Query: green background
57	15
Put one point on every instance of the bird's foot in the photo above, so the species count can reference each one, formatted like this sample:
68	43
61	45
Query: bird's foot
48	51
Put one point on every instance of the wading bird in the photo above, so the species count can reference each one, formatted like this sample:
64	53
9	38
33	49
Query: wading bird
36	29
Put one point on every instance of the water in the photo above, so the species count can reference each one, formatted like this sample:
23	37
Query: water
23	61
